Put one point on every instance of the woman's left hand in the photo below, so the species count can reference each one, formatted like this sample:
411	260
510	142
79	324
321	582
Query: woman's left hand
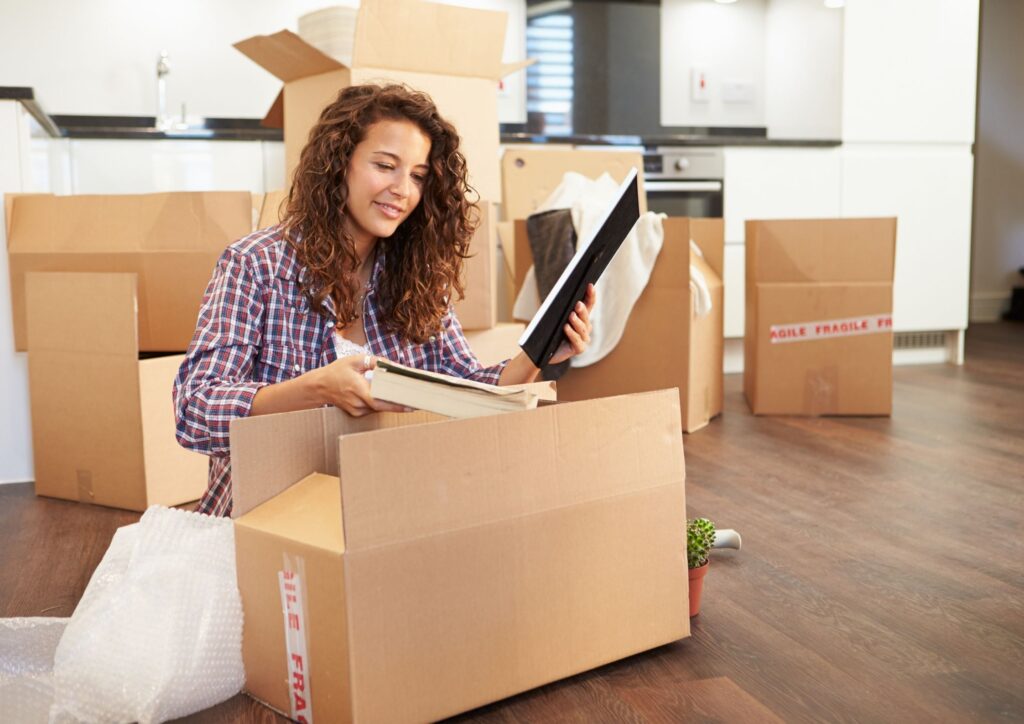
577	331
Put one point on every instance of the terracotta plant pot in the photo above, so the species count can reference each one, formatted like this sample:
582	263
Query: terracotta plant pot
697	587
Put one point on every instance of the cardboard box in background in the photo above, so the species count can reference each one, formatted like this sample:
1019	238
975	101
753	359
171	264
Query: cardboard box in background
497	344
664	344
818	337
171	241
102	420
490	557
478	310
451	53
529	175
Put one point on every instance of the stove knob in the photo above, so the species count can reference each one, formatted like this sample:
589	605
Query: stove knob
682	164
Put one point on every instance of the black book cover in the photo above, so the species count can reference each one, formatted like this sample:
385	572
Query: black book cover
545	332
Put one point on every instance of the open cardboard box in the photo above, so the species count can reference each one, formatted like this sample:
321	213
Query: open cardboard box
818	337
665	344
102	420
479	308
426	566
451	53
170	241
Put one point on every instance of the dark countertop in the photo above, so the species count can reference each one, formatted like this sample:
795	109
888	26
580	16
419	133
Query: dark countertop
250	129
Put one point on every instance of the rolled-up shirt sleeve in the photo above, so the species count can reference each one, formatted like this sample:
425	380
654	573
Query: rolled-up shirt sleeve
457	357
215	383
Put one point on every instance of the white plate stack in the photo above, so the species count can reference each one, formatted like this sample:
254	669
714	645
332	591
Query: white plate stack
331	31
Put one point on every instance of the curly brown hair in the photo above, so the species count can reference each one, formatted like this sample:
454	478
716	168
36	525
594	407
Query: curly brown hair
423	259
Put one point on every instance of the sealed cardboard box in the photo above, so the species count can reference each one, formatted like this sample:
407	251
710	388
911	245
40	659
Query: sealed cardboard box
451	53
665	342
491	556
102	419
818	338
170	241
478	310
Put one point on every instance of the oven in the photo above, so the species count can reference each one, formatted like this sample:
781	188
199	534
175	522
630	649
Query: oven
684	180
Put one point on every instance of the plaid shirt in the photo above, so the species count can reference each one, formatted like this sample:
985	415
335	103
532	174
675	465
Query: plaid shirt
256	328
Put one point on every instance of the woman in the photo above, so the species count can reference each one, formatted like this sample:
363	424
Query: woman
364	264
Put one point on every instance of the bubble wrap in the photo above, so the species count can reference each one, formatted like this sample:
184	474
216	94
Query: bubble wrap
26	667
158	632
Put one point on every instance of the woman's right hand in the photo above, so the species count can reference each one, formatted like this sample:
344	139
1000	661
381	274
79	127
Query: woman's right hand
345	386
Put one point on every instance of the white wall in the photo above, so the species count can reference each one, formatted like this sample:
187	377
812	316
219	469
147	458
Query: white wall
998	239
98	57
803	69
15	430
728	42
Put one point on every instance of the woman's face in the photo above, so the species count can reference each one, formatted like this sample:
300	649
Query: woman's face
385	179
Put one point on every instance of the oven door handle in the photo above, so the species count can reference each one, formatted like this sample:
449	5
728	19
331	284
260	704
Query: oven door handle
668	186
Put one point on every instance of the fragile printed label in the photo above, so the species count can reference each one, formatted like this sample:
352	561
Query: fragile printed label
295	646
829	328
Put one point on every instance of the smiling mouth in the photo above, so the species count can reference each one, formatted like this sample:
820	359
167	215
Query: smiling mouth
392	211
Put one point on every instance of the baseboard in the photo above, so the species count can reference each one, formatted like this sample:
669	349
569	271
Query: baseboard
988	306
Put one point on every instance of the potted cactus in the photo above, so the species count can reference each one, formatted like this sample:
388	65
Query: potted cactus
700	537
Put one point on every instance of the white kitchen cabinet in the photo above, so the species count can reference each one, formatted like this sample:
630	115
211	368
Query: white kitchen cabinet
132	166
909	70
779	183
734	281
928	189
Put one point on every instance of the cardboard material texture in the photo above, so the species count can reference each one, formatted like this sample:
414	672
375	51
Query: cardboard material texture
661	347
541	544
451	53
818	337
497	344
102	420
478	310
529	175
170	241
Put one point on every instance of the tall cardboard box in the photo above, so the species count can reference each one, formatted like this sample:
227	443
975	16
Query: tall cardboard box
102	419
479	308
170	241
451	53
818	338
487	557
665	343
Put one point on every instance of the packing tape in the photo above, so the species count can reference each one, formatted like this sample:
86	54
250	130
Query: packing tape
830	328
85	492
296	637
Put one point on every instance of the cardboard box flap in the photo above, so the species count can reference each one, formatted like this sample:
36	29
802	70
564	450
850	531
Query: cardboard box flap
449	475
430	38
270	453
177	221
275	116
76	312
823	250
709	235
530	175
306	512
287	56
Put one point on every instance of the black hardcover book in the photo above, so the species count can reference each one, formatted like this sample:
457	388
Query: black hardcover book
546	330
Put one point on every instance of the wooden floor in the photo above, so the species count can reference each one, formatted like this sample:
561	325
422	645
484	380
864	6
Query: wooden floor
881	578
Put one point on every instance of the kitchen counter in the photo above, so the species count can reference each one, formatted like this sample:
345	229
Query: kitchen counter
139	127
250	129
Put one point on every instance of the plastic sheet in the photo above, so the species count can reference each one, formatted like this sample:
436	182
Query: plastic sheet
158	632
26	667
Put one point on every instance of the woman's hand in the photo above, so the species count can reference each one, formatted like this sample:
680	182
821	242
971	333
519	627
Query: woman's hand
577	331
344	385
